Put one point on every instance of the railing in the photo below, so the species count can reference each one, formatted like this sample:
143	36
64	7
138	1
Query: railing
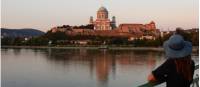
195	81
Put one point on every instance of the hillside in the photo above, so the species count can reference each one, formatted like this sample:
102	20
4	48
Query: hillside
25	32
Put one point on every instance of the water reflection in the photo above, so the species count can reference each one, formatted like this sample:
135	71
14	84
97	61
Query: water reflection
109	68
103	62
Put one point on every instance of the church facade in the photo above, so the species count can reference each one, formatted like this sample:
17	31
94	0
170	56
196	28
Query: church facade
103	22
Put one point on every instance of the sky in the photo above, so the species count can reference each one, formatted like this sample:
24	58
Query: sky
45	14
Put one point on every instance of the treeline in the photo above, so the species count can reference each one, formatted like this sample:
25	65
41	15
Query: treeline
88	26
63	39
188	35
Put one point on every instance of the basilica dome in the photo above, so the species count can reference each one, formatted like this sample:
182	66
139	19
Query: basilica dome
102	9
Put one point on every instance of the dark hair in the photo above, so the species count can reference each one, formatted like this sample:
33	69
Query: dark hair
184	67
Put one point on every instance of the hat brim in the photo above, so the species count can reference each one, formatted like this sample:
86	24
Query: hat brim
170	53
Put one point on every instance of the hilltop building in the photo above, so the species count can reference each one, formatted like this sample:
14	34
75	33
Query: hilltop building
137	27
103	26
103	22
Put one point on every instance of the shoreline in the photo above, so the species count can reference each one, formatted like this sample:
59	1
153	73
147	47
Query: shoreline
195	48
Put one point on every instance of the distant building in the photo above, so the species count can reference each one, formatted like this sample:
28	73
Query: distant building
103	26
148	37
163	33
131	27
103	22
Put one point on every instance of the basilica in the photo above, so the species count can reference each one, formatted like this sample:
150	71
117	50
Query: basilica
103	26
103	22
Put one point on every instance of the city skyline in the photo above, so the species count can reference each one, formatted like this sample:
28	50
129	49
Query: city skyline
44	15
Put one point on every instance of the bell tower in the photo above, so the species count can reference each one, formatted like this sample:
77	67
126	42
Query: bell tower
113	24
91	20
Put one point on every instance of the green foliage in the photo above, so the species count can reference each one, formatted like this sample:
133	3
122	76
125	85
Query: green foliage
63	39
6	41
88	26
37	41
55	36
18	41
118	41
12	41
146	42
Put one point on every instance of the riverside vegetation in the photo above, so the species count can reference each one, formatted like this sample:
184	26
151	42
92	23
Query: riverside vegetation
62	39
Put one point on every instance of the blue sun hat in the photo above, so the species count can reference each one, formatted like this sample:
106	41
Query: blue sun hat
176	47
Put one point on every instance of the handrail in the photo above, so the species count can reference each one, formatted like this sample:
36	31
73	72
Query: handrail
196	67
195	81
152	84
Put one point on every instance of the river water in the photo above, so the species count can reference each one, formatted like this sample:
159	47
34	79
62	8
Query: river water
78	67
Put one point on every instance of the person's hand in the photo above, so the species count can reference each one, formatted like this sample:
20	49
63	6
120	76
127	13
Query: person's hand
151	78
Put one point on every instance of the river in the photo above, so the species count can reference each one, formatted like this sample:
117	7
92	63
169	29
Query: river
48	67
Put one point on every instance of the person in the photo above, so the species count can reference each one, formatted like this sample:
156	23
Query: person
178	69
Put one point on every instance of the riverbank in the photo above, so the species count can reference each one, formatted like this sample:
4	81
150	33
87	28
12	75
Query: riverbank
195	48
